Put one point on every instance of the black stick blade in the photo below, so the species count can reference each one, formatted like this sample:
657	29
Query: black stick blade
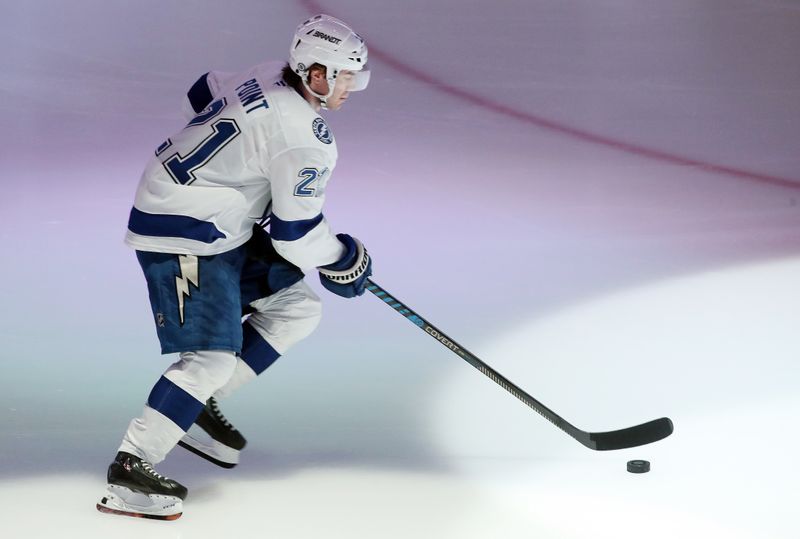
643	434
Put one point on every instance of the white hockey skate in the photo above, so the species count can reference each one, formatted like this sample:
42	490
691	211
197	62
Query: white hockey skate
135	489
214	438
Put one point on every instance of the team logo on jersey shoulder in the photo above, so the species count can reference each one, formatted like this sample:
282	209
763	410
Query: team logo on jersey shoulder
321	131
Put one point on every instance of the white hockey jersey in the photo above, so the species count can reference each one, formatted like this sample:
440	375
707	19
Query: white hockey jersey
254	149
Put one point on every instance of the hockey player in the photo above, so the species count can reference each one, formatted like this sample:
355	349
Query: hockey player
255	152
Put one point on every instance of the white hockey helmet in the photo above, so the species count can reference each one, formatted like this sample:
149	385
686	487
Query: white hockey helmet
327	41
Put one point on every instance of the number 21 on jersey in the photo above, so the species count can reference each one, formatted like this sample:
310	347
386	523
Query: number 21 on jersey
311	182
181	166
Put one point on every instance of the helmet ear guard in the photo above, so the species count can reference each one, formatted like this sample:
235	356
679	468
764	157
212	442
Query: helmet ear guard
331	43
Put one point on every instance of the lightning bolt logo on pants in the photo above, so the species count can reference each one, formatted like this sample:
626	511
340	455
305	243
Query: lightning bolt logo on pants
189	275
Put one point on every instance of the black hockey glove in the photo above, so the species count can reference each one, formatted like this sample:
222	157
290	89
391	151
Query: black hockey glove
348	276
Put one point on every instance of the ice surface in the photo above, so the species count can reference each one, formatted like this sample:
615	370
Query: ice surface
596	198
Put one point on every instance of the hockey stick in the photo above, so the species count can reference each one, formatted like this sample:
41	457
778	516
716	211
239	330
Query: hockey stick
643	434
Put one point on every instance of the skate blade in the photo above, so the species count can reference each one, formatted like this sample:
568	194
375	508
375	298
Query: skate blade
211	450
124	501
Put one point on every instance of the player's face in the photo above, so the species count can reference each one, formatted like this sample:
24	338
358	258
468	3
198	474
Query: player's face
341	90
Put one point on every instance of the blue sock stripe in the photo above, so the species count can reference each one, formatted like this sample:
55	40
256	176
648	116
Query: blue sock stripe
380	293
174	402
256	352
404	311
397	305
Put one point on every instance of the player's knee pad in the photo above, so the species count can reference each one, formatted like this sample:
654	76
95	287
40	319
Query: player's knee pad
307	315
287	316
203	372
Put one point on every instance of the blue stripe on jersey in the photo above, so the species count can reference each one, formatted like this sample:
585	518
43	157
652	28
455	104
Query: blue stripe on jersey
291	230
200	94
174	402
257	352
173	226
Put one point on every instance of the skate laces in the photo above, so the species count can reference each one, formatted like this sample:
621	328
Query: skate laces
212	403
147	467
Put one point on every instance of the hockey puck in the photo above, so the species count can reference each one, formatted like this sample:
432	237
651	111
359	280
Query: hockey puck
638	466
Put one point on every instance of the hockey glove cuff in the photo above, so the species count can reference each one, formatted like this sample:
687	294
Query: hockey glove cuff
348	276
